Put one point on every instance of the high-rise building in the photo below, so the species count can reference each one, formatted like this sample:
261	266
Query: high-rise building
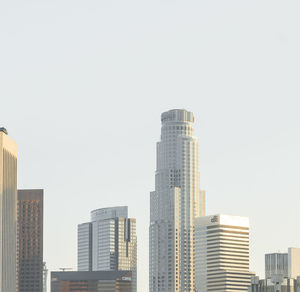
108	242
282	273
285	264
84	247
30	240
175	203
222	253
276	263
8	212
97	281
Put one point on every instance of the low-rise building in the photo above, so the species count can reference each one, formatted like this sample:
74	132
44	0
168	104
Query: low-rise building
97	281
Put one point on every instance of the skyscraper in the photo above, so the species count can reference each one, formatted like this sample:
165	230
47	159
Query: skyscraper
276	263
175	203
8	212
108	242
30	240
222	253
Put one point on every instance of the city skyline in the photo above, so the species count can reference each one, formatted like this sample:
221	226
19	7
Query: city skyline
253	269
83	85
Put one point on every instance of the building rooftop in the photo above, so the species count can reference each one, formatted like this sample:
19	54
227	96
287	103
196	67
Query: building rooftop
2	129
177	115
93	275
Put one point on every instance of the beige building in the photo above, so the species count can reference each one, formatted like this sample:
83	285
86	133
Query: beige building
294	262
222	253
8	212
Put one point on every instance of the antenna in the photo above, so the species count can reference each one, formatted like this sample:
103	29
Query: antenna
65	269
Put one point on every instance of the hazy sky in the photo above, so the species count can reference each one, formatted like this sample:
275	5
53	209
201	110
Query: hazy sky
83	84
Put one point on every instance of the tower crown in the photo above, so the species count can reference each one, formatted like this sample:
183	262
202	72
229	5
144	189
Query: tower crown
177	115
2	129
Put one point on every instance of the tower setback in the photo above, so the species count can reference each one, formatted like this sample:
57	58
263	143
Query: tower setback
175	203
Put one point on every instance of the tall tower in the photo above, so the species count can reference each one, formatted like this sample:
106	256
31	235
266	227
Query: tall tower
30	240
175	203
8	212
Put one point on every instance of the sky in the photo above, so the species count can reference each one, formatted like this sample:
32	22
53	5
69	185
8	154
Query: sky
82	87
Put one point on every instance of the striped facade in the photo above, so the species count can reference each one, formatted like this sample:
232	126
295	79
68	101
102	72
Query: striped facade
222	253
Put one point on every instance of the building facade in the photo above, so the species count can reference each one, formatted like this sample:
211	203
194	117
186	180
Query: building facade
222	253
282	273
277	283
30	240
101	281
175	203
276	264
45	277
8	213
108	242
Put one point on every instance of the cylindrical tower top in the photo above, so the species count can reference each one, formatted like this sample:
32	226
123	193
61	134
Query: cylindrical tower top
109	213
177	115
2	129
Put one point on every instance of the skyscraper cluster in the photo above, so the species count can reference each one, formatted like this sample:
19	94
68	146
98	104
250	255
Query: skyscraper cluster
193	252
189	251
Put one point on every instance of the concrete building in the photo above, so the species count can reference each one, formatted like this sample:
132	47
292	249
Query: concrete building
277	283
276	264
282	273
8	213
30	240
45	277
101	281
222	253
108	242
175	203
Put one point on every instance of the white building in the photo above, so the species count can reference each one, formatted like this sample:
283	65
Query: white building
108	242
222	253
174	204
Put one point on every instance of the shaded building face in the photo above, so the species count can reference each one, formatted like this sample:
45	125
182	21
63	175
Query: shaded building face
100	281
30	240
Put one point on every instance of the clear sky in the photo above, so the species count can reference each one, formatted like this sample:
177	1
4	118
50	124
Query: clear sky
83	84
